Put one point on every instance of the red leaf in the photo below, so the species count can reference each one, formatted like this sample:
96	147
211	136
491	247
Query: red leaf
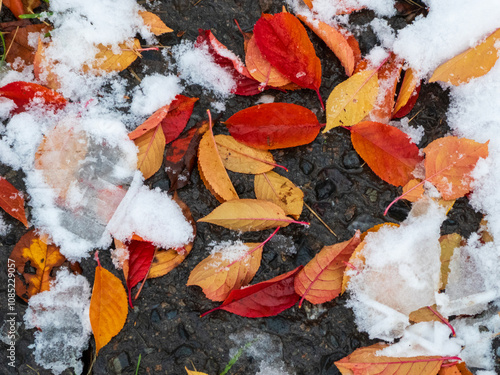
387	151
22	93
177	117
245	84
141	255
267	298
409	104
181	156
284	42
12	201
274	125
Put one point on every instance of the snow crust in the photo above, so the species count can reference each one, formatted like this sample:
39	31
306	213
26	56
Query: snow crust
154	92
61	316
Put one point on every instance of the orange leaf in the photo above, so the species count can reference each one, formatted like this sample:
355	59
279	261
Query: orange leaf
32	252
107	61
413	190
449	243
20	48
12	201
351	100
458	369
240	158
409	91
191	372
387	151
42	69
152	122
280	190
212	170
340	41
388	77
284	42
449	162
248	215
261	69
165	261
321	279
473	63
226	270
365	361
18	7
155	24
151	146
108	307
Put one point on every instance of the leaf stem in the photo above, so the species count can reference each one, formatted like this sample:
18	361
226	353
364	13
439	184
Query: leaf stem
444	320
96	257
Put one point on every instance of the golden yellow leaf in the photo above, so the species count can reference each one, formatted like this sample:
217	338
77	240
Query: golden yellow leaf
458	369
43	257
413	190
351	100
410	82
150	156
424	314
212	169
107	61
449	243
219	274
155	24
248	215
473	63
241	158
191	372
108	307
280	190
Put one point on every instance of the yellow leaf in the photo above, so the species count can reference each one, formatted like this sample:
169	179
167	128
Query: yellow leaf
449	243
248	215
108	307
424	314
154	23
212	170
280	190
107	61
351	100
219	274
150	156
410	82
190	372
473	63
241	158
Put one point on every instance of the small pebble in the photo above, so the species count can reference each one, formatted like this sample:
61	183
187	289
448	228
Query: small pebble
120	362
324	189
306	166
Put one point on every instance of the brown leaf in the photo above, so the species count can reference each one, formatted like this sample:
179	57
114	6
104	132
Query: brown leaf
36	260
280	190
17	39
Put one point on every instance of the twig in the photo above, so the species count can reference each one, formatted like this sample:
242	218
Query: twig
320	219
134	74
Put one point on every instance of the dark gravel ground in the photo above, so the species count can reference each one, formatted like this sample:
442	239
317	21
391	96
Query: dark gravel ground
165	327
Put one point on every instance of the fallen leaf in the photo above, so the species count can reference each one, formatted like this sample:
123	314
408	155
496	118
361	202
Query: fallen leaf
484	232
266	298
42	67
387	151
36	261
106	61
178	115
281	191
449	243
365	361
473	63
151	146
458	369
219	273
154	23
413	190
274	125
248	215
140	258
212	170
261	69
180	157
12	201
284	42
388	77
165	261
408	94
18	7
245	84
25	94
240	158
191	372
449	162
351	100
17	39
108	307
321	279
151	123
424	314
343	44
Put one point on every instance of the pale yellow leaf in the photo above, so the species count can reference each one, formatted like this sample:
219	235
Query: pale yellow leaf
150	156
280	190
351	100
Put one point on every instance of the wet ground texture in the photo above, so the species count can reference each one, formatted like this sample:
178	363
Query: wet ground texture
165	327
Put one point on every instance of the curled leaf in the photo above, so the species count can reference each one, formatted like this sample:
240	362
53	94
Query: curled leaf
408	94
